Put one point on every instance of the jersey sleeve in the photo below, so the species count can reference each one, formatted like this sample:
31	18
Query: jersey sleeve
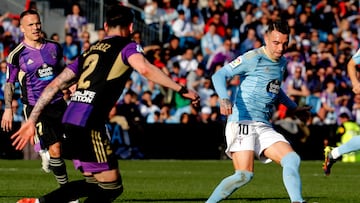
238	66
12	72
130	49
356	57
74	66
284	99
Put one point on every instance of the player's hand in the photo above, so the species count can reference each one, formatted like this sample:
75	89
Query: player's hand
25	134
356	88
193	96
6	121
189	94
225	107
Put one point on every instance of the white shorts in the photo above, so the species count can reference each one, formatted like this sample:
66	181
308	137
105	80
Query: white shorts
251	135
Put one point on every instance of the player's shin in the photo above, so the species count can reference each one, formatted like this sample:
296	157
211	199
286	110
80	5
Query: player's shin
291	176
229	185
106	192
57	165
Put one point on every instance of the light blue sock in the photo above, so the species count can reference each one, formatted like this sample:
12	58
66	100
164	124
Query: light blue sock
352	145
229	184
291	176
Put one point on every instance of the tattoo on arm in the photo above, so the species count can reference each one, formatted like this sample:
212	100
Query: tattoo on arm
8	94
46	96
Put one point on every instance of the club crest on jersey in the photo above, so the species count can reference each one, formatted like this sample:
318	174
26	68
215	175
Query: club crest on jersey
235	63
273	88
139	48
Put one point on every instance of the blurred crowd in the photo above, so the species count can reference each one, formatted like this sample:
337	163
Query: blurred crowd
201	36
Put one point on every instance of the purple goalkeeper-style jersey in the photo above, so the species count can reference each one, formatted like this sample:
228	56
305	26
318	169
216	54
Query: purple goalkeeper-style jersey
34	69
102	72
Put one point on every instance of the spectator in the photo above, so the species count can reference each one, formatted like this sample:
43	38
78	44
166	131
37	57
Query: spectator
169	15
222	55
219	24
205	115
329	102
71	48
12	25
2	54
186	61
146	105
184	118
171	48
317	111
214	104
165	116
197	28
75	22
296	86
209	10
152	14
101	34
205	91
55	37
195	79
3	68
84	37
249	41
210	42
183	30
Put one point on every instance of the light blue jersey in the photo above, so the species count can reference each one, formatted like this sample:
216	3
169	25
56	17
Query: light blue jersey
356	57
259	89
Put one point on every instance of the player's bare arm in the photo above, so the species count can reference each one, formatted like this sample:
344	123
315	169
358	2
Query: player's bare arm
351	68
59	83
6	121
145	68
27	131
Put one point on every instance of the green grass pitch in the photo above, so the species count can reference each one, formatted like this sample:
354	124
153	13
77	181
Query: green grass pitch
187	181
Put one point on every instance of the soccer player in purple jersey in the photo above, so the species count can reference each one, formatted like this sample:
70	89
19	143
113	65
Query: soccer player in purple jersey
34	63
101	75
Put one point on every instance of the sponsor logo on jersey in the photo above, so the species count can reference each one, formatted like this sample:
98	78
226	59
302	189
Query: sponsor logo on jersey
235	63
273	88
84	96
45	72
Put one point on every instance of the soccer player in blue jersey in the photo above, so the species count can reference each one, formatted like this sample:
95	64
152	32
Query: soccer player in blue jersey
248	130
332	155
34	63
101	74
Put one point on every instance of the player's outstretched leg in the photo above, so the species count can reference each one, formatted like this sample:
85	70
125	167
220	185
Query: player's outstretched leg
229	185
291	176
333	154
329	160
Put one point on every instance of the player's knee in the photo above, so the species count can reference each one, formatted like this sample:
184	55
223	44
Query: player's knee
242	177
291	159
112	189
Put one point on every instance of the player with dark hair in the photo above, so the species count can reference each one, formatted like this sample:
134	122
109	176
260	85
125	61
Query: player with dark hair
35	62
248	130
101	75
